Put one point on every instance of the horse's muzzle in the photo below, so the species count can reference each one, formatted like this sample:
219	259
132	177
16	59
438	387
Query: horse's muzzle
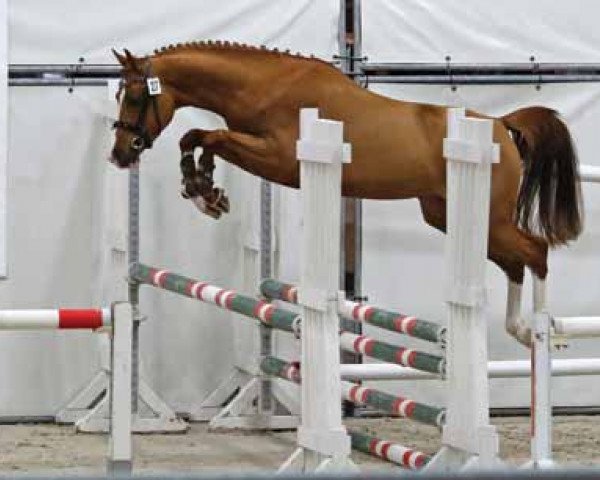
124	160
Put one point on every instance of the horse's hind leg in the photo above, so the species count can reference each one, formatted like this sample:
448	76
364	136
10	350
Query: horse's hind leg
434	214
514	248
509	248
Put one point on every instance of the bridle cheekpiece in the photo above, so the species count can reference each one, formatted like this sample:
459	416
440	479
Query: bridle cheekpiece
152	88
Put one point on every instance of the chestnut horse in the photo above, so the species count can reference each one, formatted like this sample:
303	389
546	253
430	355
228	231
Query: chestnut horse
397	146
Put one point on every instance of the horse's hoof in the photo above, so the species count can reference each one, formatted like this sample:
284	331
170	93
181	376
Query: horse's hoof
223	205
205	208
222	201
213	212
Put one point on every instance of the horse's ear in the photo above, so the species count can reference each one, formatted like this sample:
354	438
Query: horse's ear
131	61
129	55
120	58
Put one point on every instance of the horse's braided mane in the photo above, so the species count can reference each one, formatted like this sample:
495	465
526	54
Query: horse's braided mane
230	46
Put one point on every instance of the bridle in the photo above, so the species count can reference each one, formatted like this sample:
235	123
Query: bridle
142	139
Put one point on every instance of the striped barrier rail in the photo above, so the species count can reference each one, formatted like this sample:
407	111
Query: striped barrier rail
390	451
396	406
388	320
55	319
228	299
280	318
391	353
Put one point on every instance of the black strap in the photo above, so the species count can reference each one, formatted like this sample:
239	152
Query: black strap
139	128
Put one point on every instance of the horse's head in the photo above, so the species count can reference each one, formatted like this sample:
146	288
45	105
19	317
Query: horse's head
146	109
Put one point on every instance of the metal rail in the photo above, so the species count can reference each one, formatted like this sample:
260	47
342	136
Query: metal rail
61	75
479	79
479	73
524	68
402	73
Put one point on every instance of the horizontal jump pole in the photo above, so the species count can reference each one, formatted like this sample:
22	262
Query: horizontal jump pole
496	369
55	319
390	451
589	173
227	299
407	357
388	320
577	327
280	318
390	404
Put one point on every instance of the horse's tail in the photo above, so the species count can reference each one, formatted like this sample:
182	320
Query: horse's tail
550	175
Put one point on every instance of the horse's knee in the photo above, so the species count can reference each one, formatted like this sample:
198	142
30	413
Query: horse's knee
196	137
189	140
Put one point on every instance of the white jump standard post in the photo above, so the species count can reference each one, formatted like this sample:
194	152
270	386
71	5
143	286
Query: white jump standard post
323	441
541	379
119	454
469	441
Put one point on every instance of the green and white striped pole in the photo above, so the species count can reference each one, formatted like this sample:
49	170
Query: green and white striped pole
393	405
388	320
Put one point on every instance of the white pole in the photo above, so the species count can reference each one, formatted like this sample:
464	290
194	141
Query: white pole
577	327
322	438
589	173
55	319
119	453
496	369
468	438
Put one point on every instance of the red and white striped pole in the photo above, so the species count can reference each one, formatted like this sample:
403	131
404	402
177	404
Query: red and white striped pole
55	319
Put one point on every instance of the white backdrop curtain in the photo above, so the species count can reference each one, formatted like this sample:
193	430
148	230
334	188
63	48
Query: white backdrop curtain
57	168
480	31
394	232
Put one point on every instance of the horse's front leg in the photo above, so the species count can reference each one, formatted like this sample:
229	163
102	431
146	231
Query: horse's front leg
198	183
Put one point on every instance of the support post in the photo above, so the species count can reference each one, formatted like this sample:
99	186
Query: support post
322	439
119	455
541	379
469	441
266	405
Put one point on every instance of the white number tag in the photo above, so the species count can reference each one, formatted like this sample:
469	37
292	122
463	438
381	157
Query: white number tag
154	86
